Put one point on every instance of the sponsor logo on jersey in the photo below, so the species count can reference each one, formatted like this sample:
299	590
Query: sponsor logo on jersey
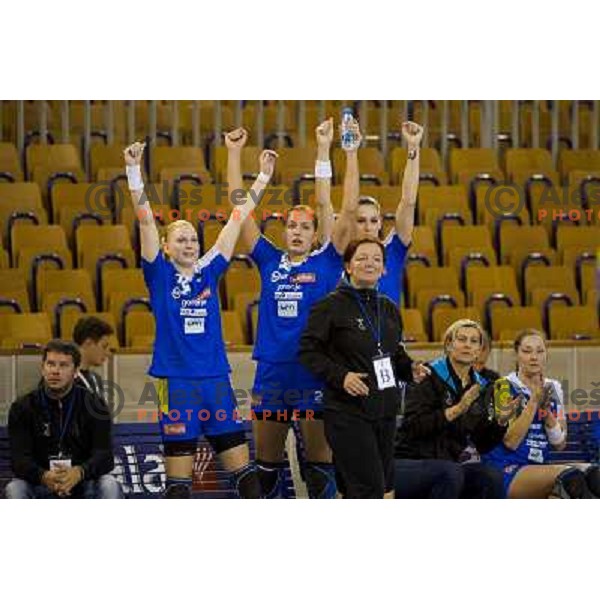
303	278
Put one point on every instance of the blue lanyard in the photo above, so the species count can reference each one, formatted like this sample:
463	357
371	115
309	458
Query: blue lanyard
375	330
64	424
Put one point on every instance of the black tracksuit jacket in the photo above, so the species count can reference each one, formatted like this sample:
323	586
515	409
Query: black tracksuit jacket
337	340
33	430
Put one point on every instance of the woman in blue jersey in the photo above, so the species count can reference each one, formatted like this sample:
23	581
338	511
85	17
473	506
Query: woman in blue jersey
189	356
537	426
361	215
292	281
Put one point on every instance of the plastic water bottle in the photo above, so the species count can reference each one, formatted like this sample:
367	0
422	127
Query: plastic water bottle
348	138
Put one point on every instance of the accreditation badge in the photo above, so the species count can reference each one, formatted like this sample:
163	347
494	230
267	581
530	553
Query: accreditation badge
382	364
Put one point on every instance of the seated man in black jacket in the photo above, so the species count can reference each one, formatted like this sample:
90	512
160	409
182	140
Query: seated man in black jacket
447	413
60	435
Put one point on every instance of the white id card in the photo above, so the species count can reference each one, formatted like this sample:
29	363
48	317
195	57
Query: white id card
60	463
384	372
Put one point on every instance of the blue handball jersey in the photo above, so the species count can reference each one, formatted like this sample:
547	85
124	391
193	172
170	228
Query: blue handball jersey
535	446
287	294
189	340
390	284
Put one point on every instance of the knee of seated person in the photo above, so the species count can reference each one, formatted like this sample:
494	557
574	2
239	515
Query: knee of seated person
570	484
270	477
16	489
592	478
226	441
246	482
108	488
320	480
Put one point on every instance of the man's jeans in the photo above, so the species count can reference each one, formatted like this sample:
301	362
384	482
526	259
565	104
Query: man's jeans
104	488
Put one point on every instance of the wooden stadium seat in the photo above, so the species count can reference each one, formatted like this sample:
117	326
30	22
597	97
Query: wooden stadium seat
122	280
505	203
388	196
588	278
463	258
295	162
553	279
450	198
444	316
4	259
522	240
431	278
413	325
93	242
515	319
233	333
241	301
71	283
430	300
574	322
17	209
580	160
527	160
48	256
241	279
430	166
139	325
69	320
469	236
467	163
13	286
587	239
87	197
45	160
25	329
201	201
371	163
41	237
250	156
117	300
10	165
106	156
423	244
274	230
210	231
188	158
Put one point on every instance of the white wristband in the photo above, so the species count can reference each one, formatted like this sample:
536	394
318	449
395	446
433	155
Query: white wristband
556	435
323	169
134	178
263	178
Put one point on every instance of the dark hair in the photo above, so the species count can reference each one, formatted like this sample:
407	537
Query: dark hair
525	333
354	245
309	210
91	328
63	347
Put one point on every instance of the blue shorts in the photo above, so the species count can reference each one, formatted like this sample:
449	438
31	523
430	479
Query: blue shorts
287	386
509	472
193	407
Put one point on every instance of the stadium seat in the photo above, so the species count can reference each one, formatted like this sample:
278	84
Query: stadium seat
468	163
388	196
25	329
187	158
4	259
431	278
430	300
239	279
522	163
87	197
13	286
249	161
17	209
44	161
10	166
490	287
71	283
423	245
586	239
515	319
295	162
139	325
130	281
580	160
241	301
467	237
430	166
233	333
106	157
413	327
69	320
552	280
38	237
574	322
444	316
370	160
449	198
92	243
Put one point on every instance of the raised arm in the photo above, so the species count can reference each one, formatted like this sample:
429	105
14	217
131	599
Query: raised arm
229	235
405	213
235	140
149	237
344	225
324	133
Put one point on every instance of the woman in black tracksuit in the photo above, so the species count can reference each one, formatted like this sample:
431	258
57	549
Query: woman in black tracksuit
353	341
